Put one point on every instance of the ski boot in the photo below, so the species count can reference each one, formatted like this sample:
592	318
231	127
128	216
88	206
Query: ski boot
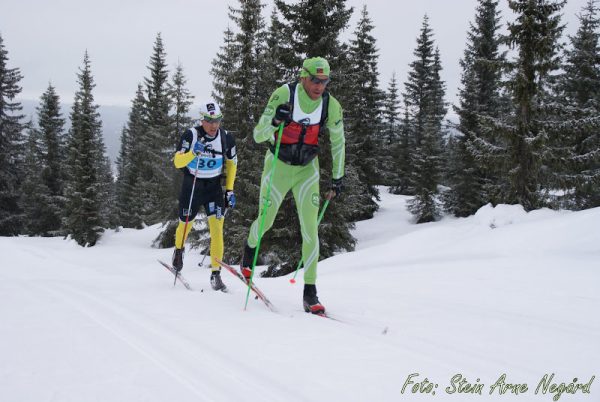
216	283
311	301
178	259
246	266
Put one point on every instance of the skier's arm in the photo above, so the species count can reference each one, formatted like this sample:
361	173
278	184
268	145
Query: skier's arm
335	125
230	162
184	153
264	130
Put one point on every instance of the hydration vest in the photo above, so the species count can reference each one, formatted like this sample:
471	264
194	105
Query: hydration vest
300	138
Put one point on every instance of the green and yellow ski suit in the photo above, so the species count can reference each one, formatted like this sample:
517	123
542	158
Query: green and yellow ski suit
303	180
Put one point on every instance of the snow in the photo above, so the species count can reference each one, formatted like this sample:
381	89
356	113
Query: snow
500	292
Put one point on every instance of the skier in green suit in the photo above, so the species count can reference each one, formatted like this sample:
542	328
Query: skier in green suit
307	111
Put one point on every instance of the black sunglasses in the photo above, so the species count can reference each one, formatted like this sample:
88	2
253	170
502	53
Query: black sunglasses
212	121
316	80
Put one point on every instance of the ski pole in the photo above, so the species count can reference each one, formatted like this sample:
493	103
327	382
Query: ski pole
263	213
202	262
293	280
187	218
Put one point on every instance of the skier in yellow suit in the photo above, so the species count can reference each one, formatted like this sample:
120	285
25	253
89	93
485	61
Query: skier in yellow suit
205	153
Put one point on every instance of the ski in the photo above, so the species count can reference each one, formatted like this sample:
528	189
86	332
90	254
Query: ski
253	287
325	315
178	276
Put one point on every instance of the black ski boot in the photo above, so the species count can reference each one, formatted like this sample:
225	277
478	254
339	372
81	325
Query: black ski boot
246	266
311	301
216	283
178	259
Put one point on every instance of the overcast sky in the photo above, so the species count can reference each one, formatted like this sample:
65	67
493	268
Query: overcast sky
47	39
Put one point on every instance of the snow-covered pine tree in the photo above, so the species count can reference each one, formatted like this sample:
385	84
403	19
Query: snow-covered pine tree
362	116
49	169
85	167
11	145
577	170
129	203
156	150
471	184
518	153
424	101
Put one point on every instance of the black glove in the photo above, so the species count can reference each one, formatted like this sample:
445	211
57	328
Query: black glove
283	113
337	185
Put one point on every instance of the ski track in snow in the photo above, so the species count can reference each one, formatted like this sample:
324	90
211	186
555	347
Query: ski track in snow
503	291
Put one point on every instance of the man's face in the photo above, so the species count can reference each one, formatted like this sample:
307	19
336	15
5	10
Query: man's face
211	126
314	85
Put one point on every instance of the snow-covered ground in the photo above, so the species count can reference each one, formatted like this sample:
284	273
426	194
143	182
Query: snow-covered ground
501	292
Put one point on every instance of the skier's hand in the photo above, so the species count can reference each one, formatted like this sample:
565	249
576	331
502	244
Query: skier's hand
199	148
230	199
337	185
283	113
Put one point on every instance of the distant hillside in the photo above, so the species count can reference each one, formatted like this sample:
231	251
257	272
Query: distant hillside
113	120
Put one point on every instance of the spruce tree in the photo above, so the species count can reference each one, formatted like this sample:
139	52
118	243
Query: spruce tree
53	153
181	101
362	114
522	135
424	93
224	87
239	79
472	185
250	41
577	138
11	154
86	186
36	194
156	149
391	112
312	28
108	192
390	134
277	54
401	155
129	202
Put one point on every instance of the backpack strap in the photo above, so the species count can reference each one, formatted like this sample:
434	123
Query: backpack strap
292	87
222	134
